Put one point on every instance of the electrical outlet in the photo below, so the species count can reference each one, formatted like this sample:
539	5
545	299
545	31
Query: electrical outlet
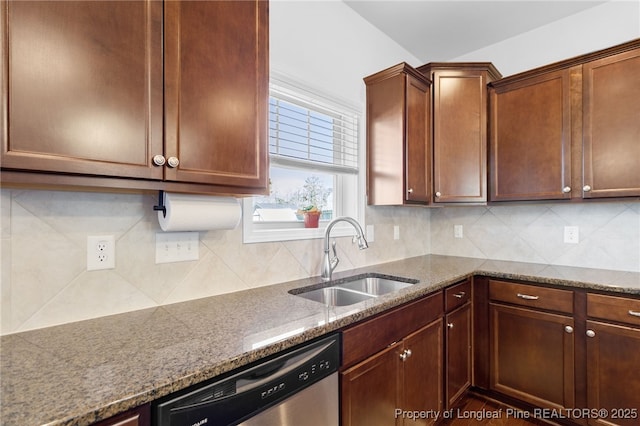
571	235
458	231
101	252
396	232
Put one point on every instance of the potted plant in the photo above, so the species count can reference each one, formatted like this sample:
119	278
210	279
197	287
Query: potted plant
311	199
311	215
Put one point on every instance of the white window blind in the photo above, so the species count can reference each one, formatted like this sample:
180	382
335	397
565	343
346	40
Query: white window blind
307	133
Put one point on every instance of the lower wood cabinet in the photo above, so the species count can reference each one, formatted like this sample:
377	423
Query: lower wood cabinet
532	344
394	363
458	342
140	416
613	350
532	356
406	376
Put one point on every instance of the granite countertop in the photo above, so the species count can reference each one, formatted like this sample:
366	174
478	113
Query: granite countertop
78	373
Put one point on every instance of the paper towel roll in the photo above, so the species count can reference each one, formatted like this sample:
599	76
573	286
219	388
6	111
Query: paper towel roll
188	212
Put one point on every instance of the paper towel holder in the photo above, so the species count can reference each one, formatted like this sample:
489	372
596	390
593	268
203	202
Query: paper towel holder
161	207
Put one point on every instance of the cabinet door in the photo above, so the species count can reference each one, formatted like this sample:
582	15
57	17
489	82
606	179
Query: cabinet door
216	92
370	390
82	87
140	416
418	158
613	378
530	153
532	356
422	372
459	136
458	353
611	126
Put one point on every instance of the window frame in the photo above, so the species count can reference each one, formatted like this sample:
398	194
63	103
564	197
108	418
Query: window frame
255	232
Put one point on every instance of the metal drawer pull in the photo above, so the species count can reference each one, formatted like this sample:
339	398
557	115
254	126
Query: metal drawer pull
634	313
527	297
459	295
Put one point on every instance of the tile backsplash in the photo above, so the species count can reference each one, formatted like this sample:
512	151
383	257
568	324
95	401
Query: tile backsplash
44	233
44	243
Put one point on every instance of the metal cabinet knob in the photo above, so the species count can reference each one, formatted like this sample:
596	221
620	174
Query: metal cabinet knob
173	162
566	189
450	325
438	194
591	333
405	354
568	329
410	190
159	160
586	188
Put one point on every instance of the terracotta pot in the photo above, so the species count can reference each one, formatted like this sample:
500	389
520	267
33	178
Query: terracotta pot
311	220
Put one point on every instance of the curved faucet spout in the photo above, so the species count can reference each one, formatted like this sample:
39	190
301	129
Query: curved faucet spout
328	264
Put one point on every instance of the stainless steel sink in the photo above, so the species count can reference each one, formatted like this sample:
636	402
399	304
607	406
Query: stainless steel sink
354	289
336	296
375	285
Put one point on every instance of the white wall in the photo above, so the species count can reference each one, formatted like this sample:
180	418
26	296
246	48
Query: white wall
596	28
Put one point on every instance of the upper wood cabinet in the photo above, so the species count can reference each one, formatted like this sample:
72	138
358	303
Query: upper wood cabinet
568	130
611	123
398	137
173	94
82	85
459	123
530	151
216	92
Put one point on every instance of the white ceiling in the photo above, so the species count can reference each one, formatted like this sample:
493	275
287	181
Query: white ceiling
439	30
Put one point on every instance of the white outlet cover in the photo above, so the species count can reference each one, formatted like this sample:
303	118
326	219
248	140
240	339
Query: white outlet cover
571	234
101	252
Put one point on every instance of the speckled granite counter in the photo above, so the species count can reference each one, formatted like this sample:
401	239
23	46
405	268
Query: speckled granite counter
82	372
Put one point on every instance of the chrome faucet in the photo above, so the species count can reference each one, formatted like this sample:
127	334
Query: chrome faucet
328	265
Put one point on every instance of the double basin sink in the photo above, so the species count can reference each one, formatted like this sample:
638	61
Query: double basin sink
354	289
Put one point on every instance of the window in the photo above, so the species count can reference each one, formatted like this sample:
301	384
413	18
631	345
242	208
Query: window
314	161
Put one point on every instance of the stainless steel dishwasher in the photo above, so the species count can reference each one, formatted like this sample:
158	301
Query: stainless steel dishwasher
296	388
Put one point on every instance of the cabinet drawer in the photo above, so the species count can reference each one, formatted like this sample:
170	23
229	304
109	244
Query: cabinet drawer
457	295
614	308
368	337
533	296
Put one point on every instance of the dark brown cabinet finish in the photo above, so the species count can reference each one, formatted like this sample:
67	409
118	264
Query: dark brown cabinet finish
370	390
459	122
173	94
140	416
398	137
532	349
532	356
458	355
216	92
393	361
568	130
611	126
83	87
405	376
613	345
458	341
530	150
